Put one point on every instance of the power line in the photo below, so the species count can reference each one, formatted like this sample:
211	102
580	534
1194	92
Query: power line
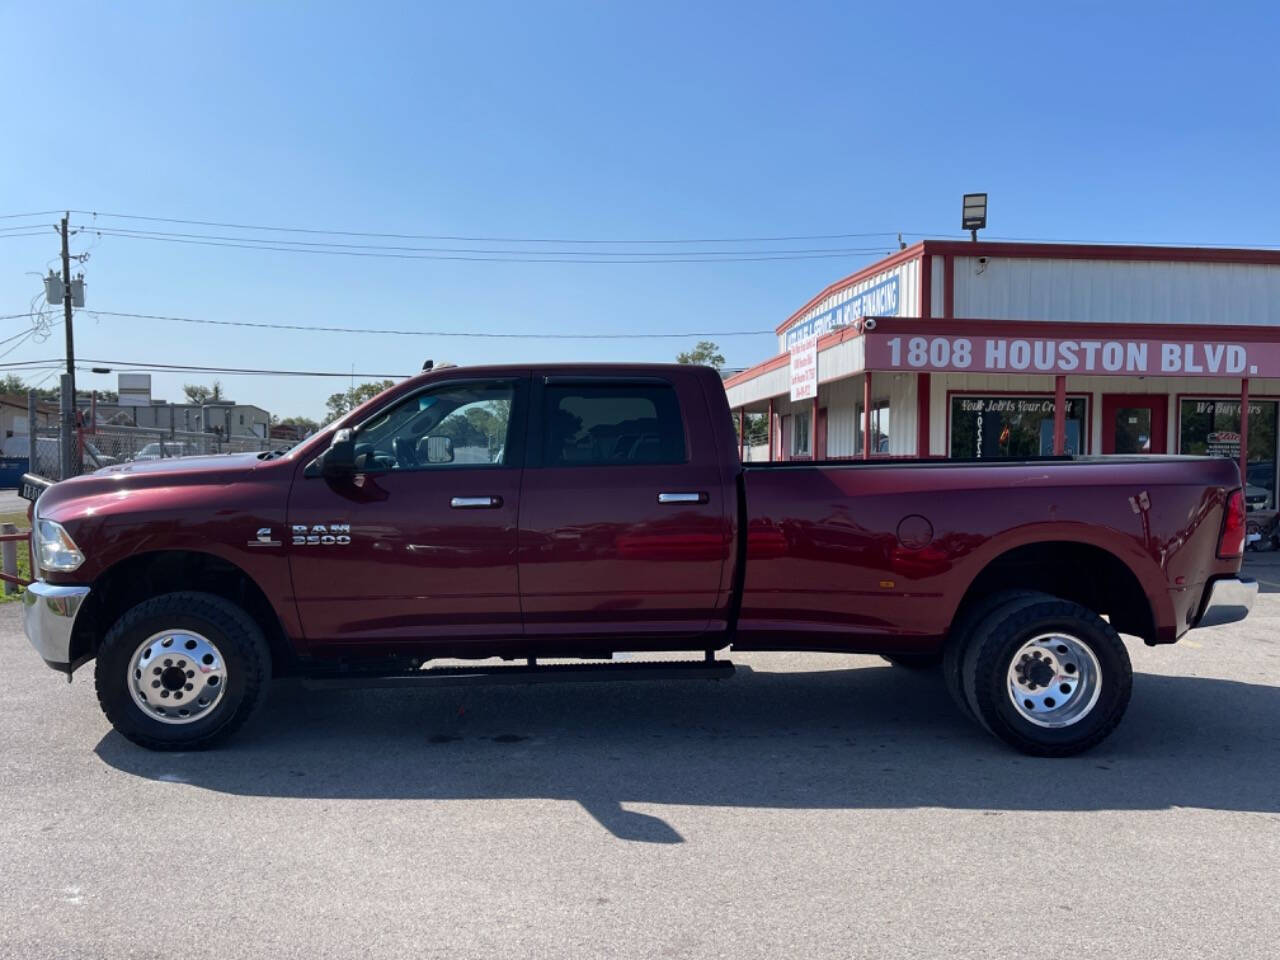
478	239
38	213
148	234
20	337
25	226
309	328
650	241
131	366
535	258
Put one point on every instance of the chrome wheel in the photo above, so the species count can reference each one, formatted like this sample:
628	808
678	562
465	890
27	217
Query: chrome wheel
177	676
1054	680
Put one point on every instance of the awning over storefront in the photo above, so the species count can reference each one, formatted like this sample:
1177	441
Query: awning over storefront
894	345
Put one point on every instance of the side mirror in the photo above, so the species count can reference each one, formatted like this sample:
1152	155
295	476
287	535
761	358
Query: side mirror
439	450
339	460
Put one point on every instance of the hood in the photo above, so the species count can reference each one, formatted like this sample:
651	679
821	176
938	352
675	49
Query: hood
217	463
122	482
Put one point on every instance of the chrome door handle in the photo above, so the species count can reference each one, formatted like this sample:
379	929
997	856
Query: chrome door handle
682	498
475	503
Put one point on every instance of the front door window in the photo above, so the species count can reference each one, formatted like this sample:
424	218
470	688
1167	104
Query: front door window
457	426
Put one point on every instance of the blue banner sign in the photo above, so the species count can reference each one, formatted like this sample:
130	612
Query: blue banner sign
880	300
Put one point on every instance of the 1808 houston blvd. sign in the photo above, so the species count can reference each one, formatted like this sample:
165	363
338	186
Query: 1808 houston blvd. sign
1002	354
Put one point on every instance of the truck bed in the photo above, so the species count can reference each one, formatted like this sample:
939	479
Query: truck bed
875	548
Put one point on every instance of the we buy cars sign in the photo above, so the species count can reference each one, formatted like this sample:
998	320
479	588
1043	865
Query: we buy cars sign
1098	356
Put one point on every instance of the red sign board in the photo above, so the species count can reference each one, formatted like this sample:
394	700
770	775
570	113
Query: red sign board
1095	356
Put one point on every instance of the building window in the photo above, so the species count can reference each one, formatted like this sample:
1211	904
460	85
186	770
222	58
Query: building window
879	427
800	425
995	427
1212	426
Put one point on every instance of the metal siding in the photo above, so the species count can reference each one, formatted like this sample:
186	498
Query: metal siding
937	294
840	399
766	385
902	413
1117	291
842	360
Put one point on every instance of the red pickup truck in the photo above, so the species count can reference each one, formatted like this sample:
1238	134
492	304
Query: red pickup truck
573	512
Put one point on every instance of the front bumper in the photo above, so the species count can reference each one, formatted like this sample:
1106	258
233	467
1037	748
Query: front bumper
1228	600
48	617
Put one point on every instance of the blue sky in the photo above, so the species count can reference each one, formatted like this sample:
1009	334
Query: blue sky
612	121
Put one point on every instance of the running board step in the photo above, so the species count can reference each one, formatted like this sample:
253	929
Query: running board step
537	673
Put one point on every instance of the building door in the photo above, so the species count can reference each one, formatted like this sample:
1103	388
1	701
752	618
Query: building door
1134	423
821	452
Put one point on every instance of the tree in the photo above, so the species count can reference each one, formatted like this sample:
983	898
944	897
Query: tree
706	353
757	428
306	424
343	403
198	394
12	383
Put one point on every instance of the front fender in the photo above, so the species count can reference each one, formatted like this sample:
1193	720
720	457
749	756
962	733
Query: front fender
221	520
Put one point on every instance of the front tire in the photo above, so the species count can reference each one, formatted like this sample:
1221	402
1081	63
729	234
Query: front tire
182	671
1048	677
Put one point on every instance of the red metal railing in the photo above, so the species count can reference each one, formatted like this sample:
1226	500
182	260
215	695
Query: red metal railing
31	559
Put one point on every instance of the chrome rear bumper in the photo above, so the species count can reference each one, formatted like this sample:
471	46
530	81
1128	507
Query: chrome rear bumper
1229	600
48	617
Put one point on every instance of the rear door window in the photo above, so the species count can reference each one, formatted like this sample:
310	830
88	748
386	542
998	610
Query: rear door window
603	424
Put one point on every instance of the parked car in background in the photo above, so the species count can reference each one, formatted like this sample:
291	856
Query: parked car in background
48	455
158	450
1260	481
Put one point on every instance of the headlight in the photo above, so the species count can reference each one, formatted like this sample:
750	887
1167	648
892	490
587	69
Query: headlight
55	548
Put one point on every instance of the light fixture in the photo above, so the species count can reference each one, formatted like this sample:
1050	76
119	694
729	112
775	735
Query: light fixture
974	215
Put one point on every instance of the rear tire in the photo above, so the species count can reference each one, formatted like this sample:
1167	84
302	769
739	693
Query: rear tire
205	656
967	625
1047	676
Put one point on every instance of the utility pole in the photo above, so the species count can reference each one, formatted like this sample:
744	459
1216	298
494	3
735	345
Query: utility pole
69	381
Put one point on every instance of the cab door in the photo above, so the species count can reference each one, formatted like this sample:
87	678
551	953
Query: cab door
418	548
624	522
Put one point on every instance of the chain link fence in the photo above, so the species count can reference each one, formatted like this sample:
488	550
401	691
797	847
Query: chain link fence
110	445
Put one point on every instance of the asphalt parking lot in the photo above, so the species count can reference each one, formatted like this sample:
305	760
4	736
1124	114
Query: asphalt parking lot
820	806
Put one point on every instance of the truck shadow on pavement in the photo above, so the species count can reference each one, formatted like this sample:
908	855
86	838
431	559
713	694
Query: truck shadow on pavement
859	738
